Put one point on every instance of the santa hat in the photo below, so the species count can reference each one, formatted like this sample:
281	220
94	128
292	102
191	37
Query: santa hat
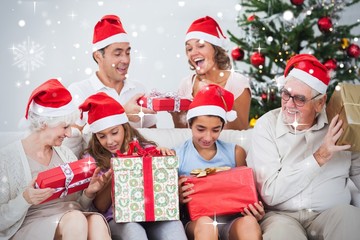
107	31
309	70
212	100
103	112
50	99
207	29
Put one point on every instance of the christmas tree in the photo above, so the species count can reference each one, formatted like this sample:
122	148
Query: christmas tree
275	30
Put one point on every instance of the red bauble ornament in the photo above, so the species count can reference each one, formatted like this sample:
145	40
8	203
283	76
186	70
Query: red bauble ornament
257	59
264	97
330	64
237	54
251	18
353	50
297	2
324	24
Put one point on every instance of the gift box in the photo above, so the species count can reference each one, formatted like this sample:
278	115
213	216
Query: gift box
222	193
145	187
164	102
345	101
67	178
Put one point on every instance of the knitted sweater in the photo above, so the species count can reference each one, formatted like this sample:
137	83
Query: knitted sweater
15	176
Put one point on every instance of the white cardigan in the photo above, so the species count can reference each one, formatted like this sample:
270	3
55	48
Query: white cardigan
15	176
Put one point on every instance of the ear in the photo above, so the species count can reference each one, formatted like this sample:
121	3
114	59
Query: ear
320	103
97	56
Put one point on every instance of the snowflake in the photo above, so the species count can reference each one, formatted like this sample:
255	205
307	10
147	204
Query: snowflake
28	56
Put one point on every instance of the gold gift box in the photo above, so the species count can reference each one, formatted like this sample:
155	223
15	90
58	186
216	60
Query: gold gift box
345	101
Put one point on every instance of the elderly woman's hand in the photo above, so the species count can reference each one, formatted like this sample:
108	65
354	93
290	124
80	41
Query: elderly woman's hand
34	195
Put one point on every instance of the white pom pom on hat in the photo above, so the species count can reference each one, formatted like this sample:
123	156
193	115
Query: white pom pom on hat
212	100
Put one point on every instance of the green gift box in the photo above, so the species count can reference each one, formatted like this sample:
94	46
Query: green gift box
145	188
345	101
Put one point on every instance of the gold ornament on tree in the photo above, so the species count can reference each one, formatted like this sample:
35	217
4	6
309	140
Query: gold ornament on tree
344	43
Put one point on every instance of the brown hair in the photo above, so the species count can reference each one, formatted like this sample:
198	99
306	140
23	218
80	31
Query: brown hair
103	156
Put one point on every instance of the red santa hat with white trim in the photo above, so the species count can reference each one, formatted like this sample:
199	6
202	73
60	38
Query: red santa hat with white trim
207	29
212	100
310	70
107	31
50	99
103	112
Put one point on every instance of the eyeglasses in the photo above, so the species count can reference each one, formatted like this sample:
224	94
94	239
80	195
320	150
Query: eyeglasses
299	100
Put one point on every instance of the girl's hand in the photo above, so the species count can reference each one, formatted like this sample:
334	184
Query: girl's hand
256	210
98	182
166	151
34	195
185	190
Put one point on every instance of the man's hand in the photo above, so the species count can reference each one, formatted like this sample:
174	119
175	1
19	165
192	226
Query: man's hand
328	147
132	108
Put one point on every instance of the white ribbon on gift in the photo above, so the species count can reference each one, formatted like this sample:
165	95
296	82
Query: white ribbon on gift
156	94
69	176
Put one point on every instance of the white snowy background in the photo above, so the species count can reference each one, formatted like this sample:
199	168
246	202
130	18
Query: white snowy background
52	39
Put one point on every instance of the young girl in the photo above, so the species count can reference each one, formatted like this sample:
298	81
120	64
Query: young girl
207	114
112	132
205	47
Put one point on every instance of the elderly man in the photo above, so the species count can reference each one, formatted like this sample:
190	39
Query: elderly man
301	174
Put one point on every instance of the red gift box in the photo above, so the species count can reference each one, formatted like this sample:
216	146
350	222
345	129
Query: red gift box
67	178
222	193
172	104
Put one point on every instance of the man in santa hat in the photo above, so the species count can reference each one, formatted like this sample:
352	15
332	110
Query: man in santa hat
111	51
301	174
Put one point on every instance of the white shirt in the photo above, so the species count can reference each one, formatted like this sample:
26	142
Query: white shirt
235	84
85	88
287	174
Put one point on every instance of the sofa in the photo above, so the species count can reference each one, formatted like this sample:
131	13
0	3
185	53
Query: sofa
171	138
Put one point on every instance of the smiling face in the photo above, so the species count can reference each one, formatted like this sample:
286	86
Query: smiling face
200	55
304	115
115	61
205	131
111	138
56	135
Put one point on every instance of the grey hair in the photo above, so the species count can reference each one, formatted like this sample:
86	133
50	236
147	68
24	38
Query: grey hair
36	121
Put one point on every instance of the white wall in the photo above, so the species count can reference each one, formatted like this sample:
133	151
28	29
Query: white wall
60	34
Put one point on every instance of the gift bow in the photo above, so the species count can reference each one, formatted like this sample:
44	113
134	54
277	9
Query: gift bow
140	151
204	172
156	94
69	176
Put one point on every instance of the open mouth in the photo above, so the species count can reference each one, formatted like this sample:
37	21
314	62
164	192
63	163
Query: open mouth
199	61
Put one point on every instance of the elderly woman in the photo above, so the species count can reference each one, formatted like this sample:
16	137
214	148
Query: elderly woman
50	111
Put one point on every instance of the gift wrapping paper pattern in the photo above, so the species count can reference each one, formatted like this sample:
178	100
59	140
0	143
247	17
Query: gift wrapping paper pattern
128	188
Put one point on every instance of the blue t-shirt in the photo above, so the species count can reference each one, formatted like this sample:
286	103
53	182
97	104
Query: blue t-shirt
190	159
